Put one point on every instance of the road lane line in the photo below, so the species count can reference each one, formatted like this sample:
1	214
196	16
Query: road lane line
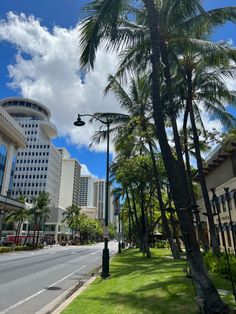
39	292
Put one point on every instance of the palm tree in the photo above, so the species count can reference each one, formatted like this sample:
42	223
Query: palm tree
138	105
71	217
103	24
202	83
18	216
41	212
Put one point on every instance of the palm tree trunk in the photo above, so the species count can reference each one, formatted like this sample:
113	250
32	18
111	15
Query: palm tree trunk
139	238
27	236
146	248
178	184
214	240
200	230
168	233
17	231
131	219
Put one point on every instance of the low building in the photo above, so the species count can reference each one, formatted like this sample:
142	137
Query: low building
91	212
220	174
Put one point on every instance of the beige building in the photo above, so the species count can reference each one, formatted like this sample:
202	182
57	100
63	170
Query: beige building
220	173
70	180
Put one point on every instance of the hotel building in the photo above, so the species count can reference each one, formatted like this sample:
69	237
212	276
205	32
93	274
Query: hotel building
38	166
220	173
70	180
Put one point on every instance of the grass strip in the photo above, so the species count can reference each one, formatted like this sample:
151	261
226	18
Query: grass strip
139	286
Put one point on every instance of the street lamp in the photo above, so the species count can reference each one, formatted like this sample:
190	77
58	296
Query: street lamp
105	253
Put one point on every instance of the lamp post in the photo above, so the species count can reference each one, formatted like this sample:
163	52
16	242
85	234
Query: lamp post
105	254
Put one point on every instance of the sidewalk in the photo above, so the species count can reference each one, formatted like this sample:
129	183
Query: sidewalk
138	285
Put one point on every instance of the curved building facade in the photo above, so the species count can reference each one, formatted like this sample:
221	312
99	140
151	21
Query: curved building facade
38	166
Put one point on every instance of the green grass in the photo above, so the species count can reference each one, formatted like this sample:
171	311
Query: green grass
139	286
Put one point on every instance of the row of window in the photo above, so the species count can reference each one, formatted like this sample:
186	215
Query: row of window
29	184
30	132
31	168
32	161
29	125
26	153
30	176
25	104
38	146
28	192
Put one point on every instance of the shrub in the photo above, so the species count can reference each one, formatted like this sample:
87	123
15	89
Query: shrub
5	249
162	244
218	264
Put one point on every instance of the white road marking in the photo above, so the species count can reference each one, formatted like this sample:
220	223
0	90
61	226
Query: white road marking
39	292
93	253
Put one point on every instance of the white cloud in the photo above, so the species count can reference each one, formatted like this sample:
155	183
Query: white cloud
47	69
84	170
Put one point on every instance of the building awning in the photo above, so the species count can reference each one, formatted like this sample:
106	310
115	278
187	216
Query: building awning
9	204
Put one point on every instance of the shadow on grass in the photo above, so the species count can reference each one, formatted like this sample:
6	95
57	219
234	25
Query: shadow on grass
125	265
158	304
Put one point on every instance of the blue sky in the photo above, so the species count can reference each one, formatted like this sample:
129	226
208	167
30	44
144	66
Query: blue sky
58	18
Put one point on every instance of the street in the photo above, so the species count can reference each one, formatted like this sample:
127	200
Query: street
31	280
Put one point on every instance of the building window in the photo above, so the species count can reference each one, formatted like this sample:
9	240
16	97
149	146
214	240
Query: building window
3	158
223	204
228	236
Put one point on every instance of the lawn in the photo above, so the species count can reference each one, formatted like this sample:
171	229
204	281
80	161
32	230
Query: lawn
139	286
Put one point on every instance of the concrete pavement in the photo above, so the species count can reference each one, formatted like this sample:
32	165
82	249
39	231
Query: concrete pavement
29	281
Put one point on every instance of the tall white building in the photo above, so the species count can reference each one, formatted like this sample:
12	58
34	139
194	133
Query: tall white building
70	180
38	166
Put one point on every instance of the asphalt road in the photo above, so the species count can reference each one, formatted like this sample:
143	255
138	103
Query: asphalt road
31	280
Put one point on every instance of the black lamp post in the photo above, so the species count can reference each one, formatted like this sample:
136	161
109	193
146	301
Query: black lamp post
105	254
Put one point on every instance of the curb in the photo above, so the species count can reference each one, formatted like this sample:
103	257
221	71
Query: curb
61	302
74	295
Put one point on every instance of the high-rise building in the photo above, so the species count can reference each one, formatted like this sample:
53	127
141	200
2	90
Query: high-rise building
38	166
99	197
86	198
100	200
70	180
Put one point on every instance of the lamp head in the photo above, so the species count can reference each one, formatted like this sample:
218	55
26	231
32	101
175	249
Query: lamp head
79	122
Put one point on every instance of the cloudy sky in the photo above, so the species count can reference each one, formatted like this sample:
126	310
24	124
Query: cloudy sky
40	60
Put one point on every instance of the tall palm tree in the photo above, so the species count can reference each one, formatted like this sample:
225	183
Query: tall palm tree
202	85
71	217
102	25
138	104
41	212
18	216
